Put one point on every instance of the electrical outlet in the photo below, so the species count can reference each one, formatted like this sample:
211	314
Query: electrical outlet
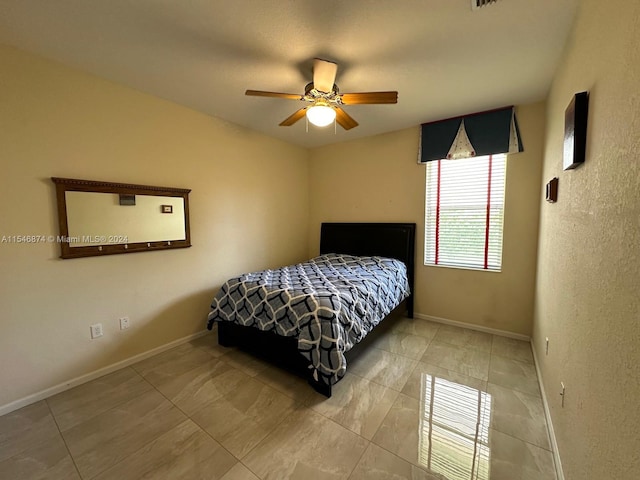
547	346
96	330
124	323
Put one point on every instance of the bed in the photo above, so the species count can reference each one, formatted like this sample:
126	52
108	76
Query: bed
308	317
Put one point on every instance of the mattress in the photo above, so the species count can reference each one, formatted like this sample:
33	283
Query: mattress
328	303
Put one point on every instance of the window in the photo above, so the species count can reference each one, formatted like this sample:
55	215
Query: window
464	212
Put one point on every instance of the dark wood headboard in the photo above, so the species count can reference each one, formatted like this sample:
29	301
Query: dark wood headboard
393	240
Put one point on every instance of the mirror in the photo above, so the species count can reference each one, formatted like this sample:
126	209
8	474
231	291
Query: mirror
101	218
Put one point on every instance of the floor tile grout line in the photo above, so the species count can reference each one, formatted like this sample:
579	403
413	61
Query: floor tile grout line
356	433
266	436
524	376
247	467
73	460
423	468
355	465
400	354
165	353
153	387
513	436
187	418
191	419
141	447
381	384
475	348
524	393
130	454
537	397
515	389
309	407
511	357
521	440
349	429
297	404
112	407
259	379
450	370
524	362
306	403
453	371
220	359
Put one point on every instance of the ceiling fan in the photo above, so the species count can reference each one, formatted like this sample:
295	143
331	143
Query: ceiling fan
325	100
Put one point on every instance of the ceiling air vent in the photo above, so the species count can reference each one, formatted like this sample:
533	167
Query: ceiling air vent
476	4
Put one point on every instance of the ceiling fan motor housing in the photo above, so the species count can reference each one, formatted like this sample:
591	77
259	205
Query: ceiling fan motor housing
310	90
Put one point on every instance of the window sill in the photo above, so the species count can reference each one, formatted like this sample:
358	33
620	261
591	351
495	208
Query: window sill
462	268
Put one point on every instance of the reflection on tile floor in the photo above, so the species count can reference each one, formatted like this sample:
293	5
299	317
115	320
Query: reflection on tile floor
422	402
454	429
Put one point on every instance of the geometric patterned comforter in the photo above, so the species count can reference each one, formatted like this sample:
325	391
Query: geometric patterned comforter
329	303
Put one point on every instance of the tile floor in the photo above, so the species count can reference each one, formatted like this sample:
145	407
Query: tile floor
422	401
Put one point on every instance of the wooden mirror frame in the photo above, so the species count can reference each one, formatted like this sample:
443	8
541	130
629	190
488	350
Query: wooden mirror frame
64	185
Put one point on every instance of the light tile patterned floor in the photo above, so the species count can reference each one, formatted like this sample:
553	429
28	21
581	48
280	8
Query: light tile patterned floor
422	401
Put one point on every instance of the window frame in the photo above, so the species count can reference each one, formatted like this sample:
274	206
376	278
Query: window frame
495	186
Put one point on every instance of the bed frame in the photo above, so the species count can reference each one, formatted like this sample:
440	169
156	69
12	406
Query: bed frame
394	240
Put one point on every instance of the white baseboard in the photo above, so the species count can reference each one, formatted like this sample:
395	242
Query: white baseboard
48	392
547	414
471	326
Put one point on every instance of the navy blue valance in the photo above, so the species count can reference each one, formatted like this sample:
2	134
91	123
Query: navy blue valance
477	134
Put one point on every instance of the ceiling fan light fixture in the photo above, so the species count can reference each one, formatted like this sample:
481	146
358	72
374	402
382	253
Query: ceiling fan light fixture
321	114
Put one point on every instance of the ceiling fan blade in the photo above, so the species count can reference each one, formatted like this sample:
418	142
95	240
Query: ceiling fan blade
287	122
345	120
260	93
324	75
369	98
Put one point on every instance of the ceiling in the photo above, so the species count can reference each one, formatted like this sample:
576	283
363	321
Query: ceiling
443	58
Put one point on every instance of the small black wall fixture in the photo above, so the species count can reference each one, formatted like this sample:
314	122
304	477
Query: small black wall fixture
552	190
575	131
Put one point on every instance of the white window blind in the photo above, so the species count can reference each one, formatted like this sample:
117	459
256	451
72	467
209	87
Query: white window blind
464	212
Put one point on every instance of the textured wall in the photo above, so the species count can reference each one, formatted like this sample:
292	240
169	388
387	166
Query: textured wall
249	206
377	179
588	283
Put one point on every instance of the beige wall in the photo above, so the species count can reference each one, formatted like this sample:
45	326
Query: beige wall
249	206
588	285
377	179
